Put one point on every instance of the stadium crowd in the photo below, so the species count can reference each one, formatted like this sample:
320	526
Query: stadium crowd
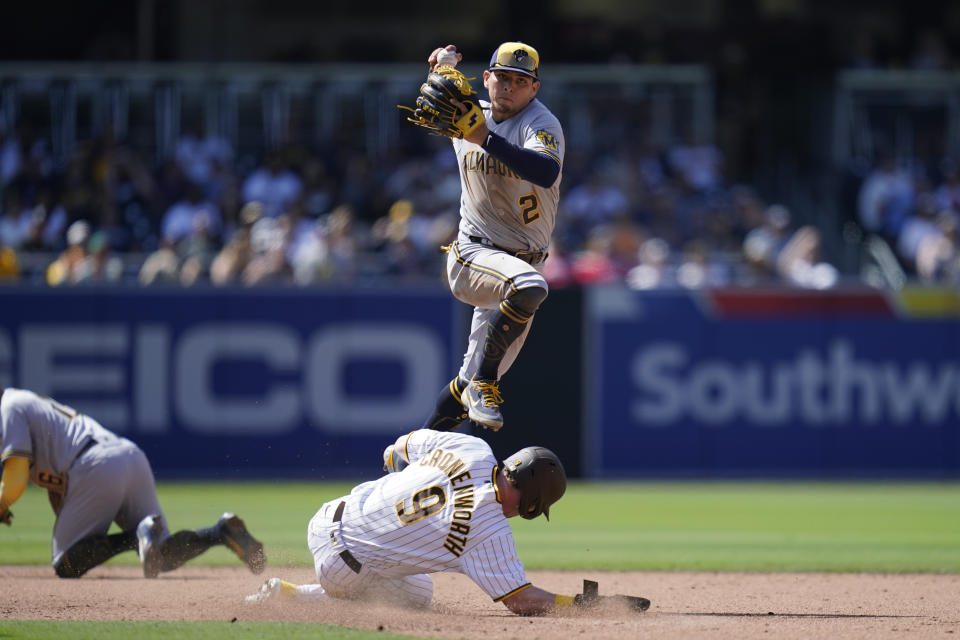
661	218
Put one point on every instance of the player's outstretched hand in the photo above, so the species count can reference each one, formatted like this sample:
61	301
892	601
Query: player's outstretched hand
7	518
392	461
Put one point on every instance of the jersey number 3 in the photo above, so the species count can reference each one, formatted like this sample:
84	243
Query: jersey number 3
423	503
529	207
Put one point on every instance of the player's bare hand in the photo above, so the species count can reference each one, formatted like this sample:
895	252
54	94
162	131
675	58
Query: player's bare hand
432	59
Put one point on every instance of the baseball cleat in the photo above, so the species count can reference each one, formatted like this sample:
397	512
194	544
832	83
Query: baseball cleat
149	536
236	536
482	400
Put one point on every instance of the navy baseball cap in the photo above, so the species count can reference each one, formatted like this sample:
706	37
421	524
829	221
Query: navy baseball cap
516	56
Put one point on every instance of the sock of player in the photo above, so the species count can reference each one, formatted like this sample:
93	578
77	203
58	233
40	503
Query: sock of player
183	546
504	327
448	413
93	551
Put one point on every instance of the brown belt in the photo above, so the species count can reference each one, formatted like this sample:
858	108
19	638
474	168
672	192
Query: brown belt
345	555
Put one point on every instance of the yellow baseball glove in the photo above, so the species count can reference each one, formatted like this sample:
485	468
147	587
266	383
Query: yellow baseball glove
435	112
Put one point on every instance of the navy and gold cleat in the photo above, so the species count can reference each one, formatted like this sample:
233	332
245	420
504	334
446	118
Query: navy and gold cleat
235	535
482	401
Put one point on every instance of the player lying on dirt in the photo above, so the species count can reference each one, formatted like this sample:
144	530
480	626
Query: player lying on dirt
443	507
94	477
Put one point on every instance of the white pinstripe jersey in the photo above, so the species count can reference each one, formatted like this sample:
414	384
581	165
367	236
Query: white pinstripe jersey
441	513
496	203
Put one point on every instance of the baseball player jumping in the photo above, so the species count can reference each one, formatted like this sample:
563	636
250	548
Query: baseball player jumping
510	171
443	507
94	477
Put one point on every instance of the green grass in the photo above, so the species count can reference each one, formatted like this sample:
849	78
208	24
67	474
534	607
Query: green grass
857	527
44	630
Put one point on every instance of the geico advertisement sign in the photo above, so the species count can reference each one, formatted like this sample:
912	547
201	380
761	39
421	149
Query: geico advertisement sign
835	386
132	378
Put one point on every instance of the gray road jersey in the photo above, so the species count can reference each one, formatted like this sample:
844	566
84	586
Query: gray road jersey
495	202
47	433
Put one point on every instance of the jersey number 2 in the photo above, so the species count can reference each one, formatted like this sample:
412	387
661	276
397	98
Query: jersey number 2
423	503
529	207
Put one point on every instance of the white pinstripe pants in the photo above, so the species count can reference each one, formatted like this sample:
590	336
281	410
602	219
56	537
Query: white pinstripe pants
340	581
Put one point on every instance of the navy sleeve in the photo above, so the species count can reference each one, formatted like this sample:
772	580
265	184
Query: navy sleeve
538	168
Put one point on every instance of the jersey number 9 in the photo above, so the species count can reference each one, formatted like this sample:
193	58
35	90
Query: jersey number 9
423	503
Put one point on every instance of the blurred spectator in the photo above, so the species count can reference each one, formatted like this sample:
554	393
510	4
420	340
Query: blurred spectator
99	266
201	155
762	245
653	268
14	220
948	193
318	188
697	162
920	227
592	265
11	156
273	185
345	241
697	270
198	250
49	219
66	269
593	202
393	237
160	267
268	264
228	265
180	220
9	265
799	262
938	254
310	256
886	197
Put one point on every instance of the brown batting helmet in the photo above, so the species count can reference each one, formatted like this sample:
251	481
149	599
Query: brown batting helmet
539	476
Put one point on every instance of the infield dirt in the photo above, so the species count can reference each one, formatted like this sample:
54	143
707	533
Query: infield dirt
685	605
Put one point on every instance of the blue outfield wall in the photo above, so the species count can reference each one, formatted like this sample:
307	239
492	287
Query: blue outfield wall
253	383
238	383
775	383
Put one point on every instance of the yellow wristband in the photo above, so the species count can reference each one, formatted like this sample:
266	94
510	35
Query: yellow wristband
561	601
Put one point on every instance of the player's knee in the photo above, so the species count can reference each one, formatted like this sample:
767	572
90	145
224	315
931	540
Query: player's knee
529	299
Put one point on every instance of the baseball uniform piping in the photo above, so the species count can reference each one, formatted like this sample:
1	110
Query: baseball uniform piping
475	267
511	313
16	453
515	591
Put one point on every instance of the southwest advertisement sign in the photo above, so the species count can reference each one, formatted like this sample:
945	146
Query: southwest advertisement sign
237	383
771	383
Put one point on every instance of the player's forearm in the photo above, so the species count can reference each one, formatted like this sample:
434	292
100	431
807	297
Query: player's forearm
534	601
16	473
538	168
